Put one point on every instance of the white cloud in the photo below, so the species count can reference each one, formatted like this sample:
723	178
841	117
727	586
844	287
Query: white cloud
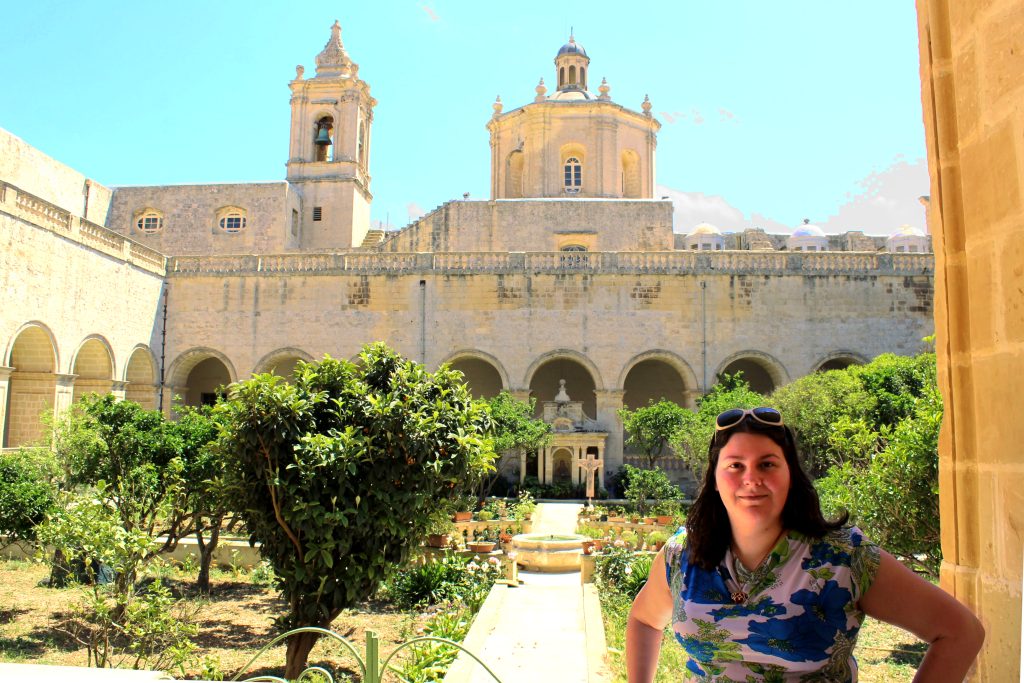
691	208
430	12
884	201
414	210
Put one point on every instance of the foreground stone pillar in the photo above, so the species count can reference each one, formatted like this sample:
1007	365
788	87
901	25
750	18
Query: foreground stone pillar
119	389
973	96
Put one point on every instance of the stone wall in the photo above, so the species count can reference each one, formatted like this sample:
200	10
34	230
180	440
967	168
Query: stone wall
540	224
972	73
24	166
66	281
603	311
190	217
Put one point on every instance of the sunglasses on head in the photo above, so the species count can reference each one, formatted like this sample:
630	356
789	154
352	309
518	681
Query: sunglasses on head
764	415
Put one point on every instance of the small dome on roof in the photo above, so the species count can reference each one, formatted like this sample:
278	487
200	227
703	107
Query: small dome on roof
808	230
704	229
908	231
572	48
571	94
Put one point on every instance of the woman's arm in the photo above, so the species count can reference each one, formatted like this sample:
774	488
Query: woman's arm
651	611
954	635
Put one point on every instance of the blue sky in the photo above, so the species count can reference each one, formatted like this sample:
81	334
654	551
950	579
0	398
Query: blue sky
772	111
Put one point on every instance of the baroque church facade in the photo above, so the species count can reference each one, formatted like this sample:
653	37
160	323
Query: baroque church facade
568	285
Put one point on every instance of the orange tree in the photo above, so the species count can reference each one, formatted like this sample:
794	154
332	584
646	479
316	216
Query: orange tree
336	474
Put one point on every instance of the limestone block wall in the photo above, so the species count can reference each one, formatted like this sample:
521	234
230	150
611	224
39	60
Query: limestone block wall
190	217
787	311
67	284
972	75
540	225
36	173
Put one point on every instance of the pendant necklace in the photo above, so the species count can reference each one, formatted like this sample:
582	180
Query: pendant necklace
738	591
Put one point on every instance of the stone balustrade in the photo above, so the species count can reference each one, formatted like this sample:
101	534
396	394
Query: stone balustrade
663	262
43	214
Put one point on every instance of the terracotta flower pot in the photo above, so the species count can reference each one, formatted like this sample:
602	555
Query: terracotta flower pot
438	540
481	546
664	520
649	520
462	516
588	547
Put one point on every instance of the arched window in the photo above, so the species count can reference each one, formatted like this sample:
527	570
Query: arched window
149	221
583	78
572	75
561	77
322	139
574	247
361	141
573	175
231	219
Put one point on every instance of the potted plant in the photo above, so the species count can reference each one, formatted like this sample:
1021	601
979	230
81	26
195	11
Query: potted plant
656	539
523	508
505	541
464	508
439	530
630	539
484	541
592	533
665	512
617	514
485	515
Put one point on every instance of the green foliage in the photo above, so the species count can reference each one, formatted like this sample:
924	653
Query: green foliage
429	660
336	474
692	439
523	507
648	484
893	494
27	495
651	427
895	383
815	405
515	428
620	569
452	578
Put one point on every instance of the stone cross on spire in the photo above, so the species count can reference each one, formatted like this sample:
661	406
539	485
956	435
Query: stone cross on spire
333	60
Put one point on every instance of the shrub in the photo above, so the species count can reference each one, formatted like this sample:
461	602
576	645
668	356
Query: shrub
619	569
650	427
26	496
648	484
452	578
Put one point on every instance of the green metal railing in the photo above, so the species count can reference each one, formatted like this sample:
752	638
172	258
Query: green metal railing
371	668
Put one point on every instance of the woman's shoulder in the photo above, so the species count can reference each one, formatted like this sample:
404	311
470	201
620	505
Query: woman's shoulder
846	547
675	547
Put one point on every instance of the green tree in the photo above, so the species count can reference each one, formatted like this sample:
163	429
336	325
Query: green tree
648	484
27	494
514	430
892	493
336	474
815	405
692	439
895	383
651	427
201	507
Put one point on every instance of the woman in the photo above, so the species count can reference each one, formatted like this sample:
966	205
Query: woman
763	587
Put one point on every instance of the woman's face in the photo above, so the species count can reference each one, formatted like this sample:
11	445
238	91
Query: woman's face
752	477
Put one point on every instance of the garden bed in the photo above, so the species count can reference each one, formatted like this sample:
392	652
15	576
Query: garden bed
234	623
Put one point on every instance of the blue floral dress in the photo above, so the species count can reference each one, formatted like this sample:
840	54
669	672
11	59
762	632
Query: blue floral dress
801	618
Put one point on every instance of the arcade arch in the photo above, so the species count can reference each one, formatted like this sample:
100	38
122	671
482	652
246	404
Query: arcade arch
141	379
93	368
483	372
763	373
199	374
33	359
281	362
840	360
581	377
655	375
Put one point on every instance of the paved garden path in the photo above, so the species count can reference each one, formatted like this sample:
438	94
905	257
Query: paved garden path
543	630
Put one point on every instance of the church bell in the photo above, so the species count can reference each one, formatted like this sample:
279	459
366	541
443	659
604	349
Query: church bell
323	138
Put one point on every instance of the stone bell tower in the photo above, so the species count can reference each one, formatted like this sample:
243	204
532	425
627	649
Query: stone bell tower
329	151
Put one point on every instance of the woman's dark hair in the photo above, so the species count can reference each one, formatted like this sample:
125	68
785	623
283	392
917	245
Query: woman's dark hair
708	532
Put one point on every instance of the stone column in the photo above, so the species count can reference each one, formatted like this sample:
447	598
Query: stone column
5	389
548	469
972	114
600	471
520	394
608	405
119	390
522	465
63	393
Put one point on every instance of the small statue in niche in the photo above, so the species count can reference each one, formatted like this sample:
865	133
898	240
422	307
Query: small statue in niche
562	396
299	70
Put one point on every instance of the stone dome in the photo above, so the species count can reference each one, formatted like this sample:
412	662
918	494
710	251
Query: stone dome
571	95
808	230
908	231
704	229
572	48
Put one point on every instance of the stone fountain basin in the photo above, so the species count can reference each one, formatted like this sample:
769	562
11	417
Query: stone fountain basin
548	552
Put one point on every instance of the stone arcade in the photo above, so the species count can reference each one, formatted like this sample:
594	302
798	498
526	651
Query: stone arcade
570	271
